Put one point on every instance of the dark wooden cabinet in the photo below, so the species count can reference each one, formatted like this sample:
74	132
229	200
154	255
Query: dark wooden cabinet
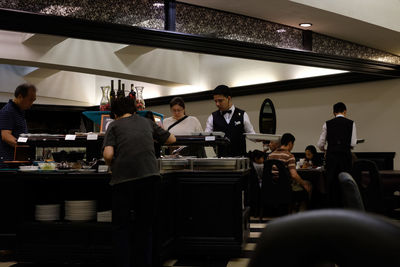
198	213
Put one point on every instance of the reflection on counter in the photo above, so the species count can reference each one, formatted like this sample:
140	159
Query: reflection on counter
203	164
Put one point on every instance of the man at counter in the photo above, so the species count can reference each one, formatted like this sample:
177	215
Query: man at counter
129	149
231	120
340	134
12	119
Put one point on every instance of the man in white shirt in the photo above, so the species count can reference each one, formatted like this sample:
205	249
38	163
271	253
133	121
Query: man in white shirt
340	134
231	120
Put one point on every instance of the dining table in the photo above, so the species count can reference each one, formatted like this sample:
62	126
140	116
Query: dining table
317	178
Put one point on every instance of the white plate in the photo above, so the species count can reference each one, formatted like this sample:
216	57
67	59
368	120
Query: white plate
28	168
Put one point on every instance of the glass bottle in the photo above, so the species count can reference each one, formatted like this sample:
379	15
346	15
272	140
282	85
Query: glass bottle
132	93
140	104
105	101
112	92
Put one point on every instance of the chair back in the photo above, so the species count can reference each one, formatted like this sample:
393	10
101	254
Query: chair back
276	191
344	237
370	186
350	194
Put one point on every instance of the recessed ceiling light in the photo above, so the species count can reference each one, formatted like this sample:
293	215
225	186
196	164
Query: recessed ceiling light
158	4
305	25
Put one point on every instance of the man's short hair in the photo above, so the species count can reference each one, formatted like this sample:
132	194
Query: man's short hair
23	89
287	138
339	107
222	90
121	106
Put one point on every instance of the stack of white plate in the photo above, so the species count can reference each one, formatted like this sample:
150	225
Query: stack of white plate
47	212
104	216
80	210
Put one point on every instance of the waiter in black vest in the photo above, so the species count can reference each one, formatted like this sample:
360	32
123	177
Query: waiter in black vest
230	120
340	134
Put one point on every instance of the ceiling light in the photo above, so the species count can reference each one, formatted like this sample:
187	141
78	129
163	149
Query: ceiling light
305	25
158	4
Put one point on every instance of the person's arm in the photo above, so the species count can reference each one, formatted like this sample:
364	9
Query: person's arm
322	138
171	139
6	136
162	136
108	154
295	176
209	124
108	145
354	136
248	127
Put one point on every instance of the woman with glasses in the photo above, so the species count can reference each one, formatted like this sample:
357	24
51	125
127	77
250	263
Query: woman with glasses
182	124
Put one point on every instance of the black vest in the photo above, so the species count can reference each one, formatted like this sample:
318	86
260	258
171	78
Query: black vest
338	136
233	131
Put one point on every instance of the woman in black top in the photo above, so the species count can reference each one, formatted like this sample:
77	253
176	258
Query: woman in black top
312	159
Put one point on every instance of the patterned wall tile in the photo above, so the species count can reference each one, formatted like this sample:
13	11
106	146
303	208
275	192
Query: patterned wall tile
142	13
327	45
214	23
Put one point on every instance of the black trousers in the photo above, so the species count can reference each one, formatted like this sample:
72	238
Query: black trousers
133	211
336	162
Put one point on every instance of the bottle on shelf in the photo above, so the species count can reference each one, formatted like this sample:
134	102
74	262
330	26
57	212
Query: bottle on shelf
132	93
120	93
112	91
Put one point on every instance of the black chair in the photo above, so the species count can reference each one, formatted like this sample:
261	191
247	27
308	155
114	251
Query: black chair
322	237
254	190
350	194
370	186
276	194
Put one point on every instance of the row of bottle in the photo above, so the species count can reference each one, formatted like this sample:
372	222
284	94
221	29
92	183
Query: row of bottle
109	94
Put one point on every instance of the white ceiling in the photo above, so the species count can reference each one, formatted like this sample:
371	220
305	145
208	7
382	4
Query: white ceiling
372	23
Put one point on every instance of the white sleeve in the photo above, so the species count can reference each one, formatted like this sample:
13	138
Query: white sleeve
209	124
248	127
322	138
198	127
354	136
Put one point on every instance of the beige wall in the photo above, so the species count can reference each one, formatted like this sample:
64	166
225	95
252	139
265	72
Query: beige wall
374	106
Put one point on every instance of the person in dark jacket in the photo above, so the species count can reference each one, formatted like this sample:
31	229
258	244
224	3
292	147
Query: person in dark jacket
231	120
340	136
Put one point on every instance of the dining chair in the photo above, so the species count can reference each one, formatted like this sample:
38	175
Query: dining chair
324	237
370	185
351	196
276	193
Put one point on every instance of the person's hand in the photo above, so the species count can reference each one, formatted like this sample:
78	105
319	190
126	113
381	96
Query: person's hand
307	186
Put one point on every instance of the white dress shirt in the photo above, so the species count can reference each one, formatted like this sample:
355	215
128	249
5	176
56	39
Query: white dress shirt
322	139
248	127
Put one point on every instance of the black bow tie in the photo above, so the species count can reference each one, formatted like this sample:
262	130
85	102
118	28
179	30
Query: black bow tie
226	111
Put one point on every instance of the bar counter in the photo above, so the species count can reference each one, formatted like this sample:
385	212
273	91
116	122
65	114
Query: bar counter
199	213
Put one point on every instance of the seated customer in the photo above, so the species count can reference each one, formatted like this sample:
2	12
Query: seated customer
312	160
283	154
257	160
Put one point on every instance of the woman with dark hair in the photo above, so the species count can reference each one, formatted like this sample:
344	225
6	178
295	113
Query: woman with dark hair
312	159
128	147
180	123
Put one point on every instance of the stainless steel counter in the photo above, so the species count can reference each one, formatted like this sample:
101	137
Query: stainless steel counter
200	164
